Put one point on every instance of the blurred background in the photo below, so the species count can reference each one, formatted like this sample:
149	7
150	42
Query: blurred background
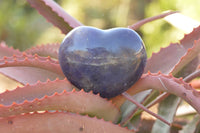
22	26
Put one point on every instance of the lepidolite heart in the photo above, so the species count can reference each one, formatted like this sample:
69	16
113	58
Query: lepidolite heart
105	61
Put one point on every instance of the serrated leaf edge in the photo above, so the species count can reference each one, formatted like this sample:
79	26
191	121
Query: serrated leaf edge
32	61
37	101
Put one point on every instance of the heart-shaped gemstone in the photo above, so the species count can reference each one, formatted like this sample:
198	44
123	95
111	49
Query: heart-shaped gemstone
105	61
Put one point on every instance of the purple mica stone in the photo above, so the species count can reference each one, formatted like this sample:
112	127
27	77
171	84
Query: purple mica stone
104	61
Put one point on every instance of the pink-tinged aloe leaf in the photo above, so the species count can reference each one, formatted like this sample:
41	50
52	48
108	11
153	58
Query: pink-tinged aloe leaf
21	67
165	59
22	74
58	122
7	51
191	54
167	108
174	53
31	61
175	57
74	101
45	50
31	92
164	83
187	64
192	126
189	39
55	14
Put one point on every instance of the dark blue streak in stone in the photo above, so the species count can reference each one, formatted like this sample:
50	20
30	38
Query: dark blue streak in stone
105	61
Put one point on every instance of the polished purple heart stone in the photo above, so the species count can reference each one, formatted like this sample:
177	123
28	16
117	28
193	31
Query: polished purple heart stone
105	61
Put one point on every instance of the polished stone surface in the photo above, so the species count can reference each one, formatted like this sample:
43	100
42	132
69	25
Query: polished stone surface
105	61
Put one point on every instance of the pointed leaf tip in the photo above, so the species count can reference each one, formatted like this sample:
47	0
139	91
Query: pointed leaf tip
55	14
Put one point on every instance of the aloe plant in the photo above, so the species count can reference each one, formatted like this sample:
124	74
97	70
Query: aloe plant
48	102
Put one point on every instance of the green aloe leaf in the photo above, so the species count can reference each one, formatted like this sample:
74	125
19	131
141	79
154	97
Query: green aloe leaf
192	126
166	110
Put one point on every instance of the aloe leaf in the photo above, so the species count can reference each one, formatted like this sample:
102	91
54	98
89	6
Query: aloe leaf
55	14
135	123
191	54
192	125
7	51
174	53
31	61
150	100
167	112
178	53
45	50
31	92
22	74
35	99
40	68
58	122
128	108
186	65
180	58
169	84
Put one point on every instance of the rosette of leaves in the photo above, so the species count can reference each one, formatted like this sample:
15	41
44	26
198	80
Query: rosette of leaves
48	102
